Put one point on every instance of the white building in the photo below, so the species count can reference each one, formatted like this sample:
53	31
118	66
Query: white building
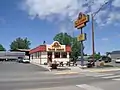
55	51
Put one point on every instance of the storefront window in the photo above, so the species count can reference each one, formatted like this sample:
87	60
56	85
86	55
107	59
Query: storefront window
36	55
63	54
57	54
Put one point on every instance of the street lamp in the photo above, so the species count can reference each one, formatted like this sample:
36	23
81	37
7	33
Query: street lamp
93	15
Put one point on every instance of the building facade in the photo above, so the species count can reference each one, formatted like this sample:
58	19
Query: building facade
115	55
49	53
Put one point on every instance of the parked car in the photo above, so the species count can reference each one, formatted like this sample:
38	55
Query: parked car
117	60
26	61
105	59
20	60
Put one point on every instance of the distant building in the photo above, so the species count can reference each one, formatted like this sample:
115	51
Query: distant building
26	51
5	55
115	54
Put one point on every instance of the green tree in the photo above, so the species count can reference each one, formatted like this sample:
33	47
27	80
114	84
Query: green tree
76	47
20	43
97	56
63	38
2	48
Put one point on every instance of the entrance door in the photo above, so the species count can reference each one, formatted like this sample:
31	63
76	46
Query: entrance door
49	54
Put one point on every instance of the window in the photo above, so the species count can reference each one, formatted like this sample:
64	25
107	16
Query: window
43	53
63	54
32	56
36	55
57	54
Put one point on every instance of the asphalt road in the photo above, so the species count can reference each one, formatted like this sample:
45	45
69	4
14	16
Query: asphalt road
18	76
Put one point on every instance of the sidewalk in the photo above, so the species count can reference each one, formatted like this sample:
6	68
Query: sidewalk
78	69
48	68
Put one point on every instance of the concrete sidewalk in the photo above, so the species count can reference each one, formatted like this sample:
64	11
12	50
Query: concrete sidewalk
78	69
49	68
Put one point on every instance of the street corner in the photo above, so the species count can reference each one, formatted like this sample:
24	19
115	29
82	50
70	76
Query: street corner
66	73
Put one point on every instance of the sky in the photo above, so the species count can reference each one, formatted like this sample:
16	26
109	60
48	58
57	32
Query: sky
41	20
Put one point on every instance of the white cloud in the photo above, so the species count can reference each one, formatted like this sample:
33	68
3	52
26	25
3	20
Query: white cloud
116	3
113	17
105	39
61	10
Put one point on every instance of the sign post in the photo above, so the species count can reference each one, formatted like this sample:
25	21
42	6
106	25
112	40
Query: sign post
79	24
82	55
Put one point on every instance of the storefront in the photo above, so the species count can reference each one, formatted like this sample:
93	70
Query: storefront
49	53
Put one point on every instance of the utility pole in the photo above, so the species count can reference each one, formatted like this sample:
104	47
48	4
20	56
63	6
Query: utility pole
93	41
93	44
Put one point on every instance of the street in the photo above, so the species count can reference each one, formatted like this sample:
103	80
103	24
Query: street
19	76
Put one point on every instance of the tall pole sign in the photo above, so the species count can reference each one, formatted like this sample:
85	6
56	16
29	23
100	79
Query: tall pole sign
79	24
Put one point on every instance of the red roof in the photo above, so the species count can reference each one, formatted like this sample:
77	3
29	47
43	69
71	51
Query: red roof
42	48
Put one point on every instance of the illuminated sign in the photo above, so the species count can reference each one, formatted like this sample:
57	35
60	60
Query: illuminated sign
81	21
56	46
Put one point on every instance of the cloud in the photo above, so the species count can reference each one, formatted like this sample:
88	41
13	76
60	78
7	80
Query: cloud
113	17
105	39
61	10
116	3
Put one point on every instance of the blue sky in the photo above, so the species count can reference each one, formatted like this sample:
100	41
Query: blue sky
41	20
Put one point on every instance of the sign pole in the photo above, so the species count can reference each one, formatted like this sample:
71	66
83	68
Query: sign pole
82	59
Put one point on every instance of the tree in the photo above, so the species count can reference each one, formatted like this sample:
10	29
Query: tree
2	48
97	56
20	43
108	53
65	39
76	47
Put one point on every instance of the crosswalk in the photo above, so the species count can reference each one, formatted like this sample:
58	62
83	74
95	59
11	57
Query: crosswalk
115	77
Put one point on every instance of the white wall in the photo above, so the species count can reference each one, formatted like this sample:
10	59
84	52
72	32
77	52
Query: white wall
64	60
115	56
43	58
35	61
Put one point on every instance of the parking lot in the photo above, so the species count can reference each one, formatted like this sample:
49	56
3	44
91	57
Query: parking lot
19	67
15	75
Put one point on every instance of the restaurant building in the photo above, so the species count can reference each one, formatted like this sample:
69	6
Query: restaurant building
49	53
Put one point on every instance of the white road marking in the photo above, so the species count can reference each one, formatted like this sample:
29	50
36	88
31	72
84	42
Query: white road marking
109	77
118	79
103	75
88	87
